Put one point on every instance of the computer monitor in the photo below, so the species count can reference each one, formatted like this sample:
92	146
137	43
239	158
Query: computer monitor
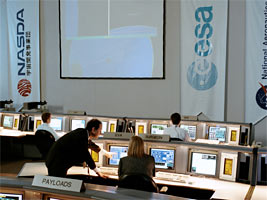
104	127
77	123
11	196
203	162
192	130
164	158
157	128
121	151
8	121
57	123
217	133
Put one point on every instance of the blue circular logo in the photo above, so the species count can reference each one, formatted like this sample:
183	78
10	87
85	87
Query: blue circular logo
202	75
261	97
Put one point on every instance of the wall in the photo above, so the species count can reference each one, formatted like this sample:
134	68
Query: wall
137	98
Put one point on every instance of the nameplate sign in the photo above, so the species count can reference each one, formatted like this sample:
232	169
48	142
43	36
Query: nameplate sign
57	183
154	137
118	135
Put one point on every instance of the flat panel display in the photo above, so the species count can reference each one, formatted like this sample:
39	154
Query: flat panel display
57	123
157	128
9	196
217	133
8	121
192	130
120	152
203	163
164	158
77	123
104	126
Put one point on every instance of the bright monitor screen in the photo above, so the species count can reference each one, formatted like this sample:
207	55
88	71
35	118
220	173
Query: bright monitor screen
8	121
164	158
192	130
56	123
104	126
111	39
121	151
77	123
217	133
203	163
157	128
8	196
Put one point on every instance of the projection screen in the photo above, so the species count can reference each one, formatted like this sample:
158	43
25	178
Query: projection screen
120	39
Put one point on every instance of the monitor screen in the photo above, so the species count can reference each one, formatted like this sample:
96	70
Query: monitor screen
157	128
104	127
8	121
192	130
164	158
217	133
8	196
56	123
77	123
121	151
203	163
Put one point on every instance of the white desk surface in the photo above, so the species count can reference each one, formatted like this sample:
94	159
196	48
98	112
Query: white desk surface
223	189
17	133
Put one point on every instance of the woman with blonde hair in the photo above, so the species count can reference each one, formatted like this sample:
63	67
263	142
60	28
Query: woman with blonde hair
137	162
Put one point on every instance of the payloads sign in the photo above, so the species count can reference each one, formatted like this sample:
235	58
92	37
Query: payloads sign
24	85
202	73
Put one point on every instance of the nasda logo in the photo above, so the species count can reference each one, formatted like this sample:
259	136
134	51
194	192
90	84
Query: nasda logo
261	97
24	87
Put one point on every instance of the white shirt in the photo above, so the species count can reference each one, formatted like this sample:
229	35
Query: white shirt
48	128
176	132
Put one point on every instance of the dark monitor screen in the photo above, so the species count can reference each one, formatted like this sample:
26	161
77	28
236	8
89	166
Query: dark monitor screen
203	163
120	152
9	196
77	123
164	158
8	121
192	130
56	123
217	133
157	128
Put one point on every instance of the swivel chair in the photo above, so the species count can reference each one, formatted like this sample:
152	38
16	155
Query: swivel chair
138	182
44	141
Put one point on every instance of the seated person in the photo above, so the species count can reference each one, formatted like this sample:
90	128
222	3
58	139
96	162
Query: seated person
175	131
137	162
46	118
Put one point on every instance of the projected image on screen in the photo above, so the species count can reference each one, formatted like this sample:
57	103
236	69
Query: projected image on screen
77	123
164	158
111	38
192	130
56	123
120	152
203	163
217	133
8	121
157	128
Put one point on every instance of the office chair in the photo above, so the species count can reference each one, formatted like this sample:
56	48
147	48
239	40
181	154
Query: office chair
138	182
44	141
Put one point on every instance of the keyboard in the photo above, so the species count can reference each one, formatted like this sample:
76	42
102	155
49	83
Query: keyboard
167	176
109	170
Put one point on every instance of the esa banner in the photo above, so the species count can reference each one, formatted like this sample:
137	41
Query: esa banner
23	47
203	57
256	60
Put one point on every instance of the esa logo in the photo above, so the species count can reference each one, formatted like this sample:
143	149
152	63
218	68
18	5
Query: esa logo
261	97
202	74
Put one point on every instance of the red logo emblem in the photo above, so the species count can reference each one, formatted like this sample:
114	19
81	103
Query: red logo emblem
24	87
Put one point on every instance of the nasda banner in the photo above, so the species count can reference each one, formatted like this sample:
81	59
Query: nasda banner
256	60
23	57
203	57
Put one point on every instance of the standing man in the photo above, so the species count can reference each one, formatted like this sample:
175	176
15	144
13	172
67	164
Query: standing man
175	131
72	148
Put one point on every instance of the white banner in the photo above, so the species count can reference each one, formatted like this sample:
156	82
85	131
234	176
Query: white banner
23	45
256	60
203	56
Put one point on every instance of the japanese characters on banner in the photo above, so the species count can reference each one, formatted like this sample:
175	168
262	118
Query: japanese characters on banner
23	57
256	60
203	57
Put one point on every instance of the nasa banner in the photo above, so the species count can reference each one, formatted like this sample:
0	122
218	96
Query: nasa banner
23	57
256	60
203	57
